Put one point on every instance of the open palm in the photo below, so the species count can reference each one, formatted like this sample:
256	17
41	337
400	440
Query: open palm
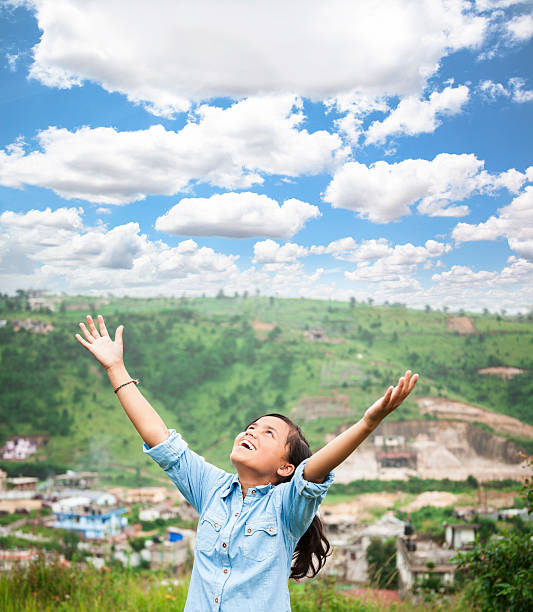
393	397
98	342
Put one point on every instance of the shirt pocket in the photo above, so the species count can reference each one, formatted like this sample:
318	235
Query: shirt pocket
260	539
207	532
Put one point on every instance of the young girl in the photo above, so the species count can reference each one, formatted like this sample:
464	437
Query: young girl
257	527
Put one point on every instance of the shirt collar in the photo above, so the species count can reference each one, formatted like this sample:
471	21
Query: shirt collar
226	490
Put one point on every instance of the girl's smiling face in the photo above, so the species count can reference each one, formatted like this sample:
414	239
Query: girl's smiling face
261	451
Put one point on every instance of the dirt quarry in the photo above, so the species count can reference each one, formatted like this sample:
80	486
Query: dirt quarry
434	449
506	373
449	409
461	325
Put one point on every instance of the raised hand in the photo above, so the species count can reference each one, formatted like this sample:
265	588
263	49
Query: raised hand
98	342
393	397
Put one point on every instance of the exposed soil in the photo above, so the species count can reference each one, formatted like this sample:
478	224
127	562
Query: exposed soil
262	326
437	499
363	504
440	449
503	372
461	325
449	409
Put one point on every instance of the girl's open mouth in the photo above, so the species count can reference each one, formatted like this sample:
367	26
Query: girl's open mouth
247	444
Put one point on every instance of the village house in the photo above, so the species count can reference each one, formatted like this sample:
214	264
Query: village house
73	498
91	522
78	480
174	551
348	561
3	480
20	448
462	535
167	512
315	334
22	483
420	559
144	495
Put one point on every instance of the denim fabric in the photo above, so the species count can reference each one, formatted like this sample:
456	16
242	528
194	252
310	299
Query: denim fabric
244	547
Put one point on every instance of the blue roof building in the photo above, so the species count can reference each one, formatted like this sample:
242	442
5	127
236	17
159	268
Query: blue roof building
91	523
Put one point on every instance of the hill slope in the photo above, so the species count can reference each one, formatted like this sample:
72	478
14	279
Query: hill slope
211	365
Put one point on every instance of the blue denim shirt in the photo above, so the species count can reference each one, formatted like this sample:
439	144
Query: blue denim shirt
244	547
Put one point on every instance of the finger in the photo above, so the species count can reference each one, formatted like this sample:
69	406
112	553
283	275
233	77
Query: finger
387	397
101	325
86	333
83	342
92	327
118	334
413	382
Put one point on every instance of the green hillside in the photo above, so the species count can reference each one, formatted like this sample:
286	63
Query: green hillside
210	365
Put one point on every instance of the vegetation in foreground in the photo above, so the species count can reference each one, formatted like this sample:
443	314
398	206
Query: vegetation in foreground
56	587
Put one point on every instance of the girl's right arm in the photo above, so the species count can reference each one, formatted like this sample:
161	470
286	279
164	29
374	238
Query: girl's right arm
109	353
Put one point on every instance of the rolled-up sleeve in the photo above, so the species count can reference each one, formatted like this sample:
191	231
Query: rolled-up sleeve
301	499
192	475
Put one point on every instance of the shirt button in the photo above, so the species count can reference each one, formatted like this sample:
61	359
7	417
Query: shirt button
216	525
253	491
224	544
270	529
236	514
225	571
216	599
249	530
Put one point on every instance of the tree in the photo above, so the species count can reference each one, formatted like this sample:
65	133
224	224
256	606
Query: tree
381	558
500	571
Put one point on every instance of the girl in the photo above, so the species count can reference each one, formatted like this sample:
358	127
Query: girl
257	527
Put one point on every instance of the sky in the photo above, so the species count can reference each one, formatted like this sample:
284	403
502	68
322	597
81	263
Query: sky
315	148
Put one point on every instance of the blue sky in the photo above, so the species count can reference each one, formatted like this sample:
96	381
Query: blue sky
318	149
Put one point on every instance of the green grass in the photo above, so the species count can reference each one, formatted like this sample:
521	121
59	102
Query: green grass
56	587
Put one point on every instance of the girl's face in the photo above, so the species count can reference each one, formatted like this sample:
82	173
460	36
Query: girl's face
261	451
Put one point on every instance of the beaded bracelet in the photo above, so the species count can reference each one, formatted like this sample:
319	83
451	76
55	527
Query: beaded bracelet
133	380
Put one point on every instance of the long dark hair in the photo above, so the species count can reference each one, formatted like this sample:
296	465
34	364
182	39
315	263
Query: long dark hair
313	547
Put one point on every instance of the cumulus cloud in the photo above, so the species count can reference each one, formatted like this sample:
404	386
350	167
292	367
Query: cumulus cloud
520	28
385	192
236	215
513	222
227	148
397	264
414	116
234	48
269	251
54	249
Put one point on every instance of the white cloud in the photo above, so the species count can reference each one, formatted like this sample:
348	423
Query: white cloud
385	192
519	94
513	222
59	219
234	48
520	28
54	250
228	148
268	251
237	215
515	90
399	263
414	116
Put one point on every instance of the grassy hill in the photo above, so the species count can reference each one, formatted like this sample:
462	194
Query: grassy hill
211	365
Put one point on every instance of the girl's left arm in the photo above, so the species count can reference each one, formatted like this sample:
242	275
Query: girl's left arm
320	464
